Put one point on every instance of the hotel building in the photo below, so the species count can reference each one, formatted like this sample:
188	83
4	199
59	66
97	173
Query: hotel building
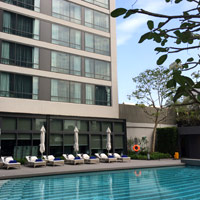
58	69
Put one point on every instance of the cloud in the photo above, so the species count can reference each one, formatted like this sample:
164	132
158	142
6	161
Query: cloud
127	27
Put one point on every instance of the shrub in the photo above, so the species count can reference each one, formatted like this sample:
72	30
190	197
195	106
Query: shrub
167	140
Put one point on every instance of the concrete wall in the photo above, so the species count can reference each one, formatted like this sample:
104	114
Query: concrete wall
139	125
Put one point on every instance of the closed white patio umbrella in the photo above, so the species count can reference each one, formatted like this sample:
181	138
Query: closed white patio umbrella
42	140
108	143
76	146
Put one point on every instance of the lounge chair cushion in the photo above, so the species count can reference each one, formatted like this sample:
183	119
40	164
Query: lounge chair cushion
124	156
51	158
71	157
77	158
116	155
85	156
79	155
12	161
110	156
103	155
57	159
33	158
93	157
38	160
8	159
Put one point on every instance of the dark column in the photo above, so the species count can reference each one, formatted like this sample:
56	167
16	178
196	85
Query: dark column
44	89
45	59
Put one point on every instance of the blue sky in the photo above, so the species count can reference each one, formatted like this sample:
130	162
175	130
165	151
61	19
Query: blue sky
134	58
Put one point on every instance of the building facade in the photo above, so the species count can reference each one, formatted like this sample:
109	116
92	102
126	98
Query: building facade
58	69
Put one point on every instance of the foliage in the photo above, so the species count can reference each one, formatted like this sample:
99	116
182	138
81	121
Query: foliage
182	30
153	156
142	142
167	140
151	90
22	161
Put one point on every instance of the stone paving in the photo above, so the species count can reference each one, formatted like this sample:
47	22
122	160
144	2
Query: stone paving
70	169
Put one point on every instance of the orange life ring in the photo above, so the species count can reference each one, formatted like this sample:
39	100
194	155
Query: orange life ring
137	174
136	148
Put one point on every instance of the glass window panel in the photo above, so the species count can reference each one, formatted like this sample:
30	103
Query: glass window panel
36	136
35	57
7	25
68	140
59	90
105	125
118	127
89	67
60	62
89	94
104	141
36	29
4	85
9	123
119	142
89	42
69	125
38	123
75	13
95	142
56	140
102	45
102	70
56	125
102	96
60	35
8	136
24	136
95	126
101	3
24	124
88	17
82	125
5	53
75	39
60	9
101	21
75	65
75	92
35	87
83	139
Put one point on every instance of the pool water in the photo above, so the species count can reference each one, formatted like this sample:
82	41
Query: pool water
156	183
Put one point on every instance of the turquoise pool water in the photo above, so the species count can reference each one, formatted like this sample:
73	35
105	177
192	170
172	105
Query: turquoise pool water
158	183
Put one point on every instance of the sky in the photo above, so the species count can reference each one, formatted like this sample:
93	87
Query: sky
134	58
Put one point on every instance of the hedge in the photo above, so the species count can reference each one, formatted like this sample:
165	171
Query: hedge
167	140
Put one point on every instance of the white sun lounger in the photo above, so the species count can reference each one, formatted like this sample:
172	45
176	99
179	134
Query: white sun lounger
121	158
70	159
104	158
33	161
51	160
89	159
9	162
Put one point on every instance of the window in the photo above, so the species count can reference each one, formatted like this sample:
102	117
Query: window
29	4
75	92
20	55
20	25
66	37
65	63
97	69
97	20
59	90
101	3
69	125
89	93
102	95
18	86
66	10
97	44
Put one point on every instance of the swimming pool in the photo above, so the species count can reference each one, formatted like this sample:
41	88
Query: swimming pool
156	183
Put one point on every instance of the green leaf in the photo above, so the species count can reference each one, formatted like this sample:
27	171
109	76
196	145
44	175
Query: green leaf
177	33
130	12
188	80
144	37
180	92
178	60
171	83
167	1
197	85
190	59
198	97
163	42
178	1
160	49
156	37
160	24
117	12
150	24
162	59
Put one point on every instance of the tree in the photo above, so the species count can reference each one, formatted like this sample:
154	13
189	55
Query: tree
151	91
185	35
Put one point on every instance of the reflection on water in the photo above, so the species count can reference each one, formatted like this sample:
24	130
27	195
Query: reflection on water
162	183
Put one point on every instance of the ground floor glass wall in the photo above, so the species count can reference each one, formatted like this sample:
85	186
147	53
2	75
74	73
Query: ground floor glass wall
20	135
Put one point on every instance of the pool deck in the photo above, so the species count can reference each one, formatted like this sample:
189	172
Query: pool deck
84	168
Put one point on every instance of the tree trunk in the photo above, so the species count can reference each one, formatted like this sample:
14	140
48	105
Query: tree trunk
154	135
